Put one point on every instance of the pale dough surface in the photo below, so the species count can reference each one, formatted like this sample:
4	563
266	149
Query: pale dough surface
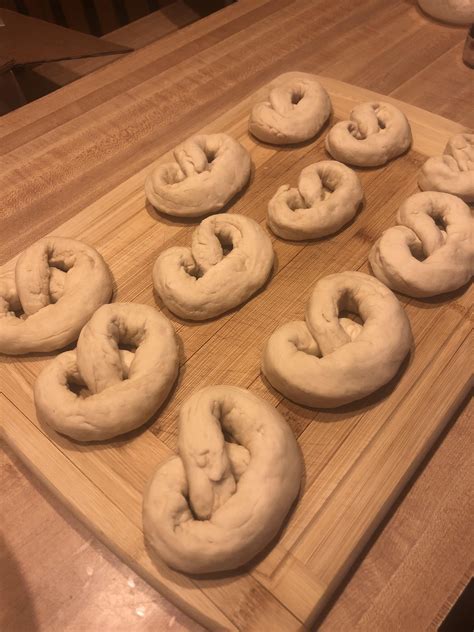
453	172
376	133
202	281
326	198
451	11
330	360
420	258
208	171
116	390
224	498
57	285
296	108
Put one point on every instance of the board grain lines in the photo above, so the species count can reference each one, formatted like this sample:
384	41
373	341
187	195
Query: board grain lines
97	131
357	458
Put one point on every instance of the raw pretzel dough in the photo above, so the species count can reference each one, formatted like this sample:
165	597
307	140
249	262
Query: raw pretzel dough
451	11
124	389
327	360
296	108
240	487
375	133
327	197
453	172
200	282
58	285
209	170
418	258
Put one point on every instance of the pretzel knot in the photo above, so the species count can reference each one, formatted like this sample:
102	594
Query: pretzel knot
58	284
122	389
203	281
331	360
208	171
375	133
295	110
327	197
420	258
453	172
218	503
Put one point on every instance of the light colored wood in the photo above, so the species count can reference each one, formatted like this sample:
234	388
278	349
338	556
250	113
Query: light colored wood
135	35
53	575
66	150
430	530
422	551
366	452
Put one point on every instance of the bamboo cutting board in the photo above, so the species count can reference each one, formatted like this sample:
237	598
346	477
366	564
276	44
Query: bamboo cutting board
357	458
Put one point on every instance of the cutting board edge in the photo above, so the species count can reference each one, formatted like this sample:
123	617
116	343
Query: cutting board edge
408	476
453	128
9	438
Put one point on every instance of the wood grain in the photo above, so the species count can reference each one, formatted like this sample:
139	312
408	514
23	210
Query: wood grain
80	143
46	41
430	529
367	451
421	550
135	35
356	35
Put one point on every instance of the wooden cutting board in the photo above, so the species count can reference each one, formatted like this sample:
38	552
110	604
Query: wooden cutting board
357	458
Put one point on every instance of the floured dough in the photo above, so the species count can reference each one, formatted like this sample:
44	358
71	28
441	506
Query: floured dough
327	197
121	390
451	11
201	282
331	360
453	172
375	133
58	285
419	258
224	498
296	108
209	170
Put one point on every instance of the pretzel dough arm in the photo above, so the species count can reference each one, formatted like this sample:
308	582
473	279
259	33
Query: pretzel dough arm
328	305
207	466
9	300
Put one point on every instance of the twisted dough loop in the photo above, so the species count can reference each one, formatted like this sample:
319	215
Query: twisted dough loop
209	170
453	172
201	282
295	110
58	284
123	388
375	133
327	197
327	360
420	259
241	490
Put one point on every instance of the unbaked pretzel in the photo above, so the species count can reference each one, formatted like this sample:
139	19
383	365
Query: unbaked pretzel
295	110
331	360
375	133
209	169
224	498
453	172
202	282
327	197
123	389
420	258
58	284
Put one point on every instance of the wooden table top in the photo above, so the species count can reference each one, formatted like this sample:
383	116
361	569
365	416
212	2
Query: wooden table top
62	152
